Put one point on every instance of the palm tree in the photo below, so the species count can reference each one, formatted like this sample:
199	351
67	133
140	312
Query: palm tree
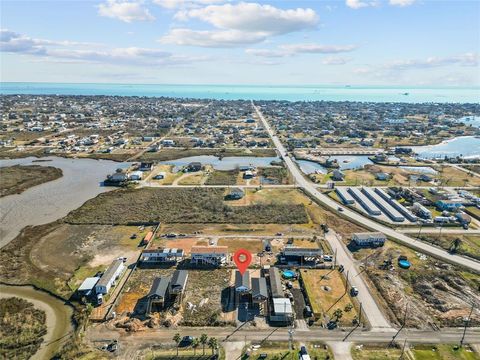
455	245
338	314
177	338
213	344
195	345
203	341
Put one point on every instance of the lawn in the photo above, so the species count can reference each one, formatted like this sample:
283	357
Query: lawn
172	153
280	351
326	292
192	205
469	244
191	179
443	352
218	177
234	244
450	176
375	352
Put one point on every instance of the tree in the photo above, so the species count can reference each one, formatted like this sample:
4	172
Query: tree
177	338
203	341
195	345
338	314
455	245
213	344
348	307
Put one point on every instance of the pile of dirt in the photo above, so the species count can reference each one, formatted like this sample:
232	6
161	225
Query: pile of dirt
130	324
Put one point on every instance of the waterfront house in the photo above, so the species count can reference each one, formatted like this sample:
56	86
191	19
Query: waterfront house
161	255
109	277
337	175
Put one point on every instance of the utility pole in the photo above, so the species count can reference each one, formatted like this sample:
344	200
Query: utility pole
419	231
403	349
335	259
467	321
360	315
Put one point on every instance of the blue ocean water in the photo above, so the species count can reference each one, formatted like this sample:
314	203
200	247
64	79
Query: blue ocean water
247	92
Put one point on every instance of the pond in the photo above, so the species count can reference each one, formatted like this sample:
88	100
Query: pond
466	146
226	163
346	162
81	181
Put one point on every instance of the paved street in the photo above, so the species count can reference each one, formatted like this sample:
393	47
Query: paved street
305	184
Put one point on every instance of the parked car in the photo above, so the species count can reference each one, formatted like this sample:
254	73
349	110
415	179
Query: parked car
186	341
303	350
354	291
307	311
327	258
340	209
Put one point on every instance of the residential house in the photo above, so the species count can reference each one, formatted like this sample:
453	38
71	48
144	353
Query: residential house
373	239
109	277
260	294
87	286
158	294
242	287
301	256
178	283
337	175
162	255
209	255
275	282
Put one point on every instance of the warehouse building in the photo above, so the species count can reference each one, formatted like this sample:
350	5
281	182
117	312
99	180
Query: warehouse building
366	203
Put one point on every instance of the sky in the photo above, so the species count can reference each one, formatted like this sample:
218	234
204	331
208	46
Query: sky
341	42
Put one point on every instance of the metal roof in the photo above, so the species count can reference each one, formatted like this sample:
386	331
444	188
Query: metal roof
282	306
179	279
110	273
296	251
88	284
242	280
275	282
159	287
259	287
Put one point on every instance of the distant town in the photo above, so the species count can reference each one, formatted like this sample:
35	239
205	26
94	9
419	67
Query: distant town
363	221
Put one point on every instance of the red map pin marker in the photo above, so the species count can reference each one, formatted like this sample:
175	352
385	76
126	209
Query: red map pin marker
242	259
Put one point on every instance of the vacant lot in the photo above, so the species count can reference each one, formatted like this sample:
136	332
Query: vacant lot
207	291
79	251
279	350
217	177
436	293
22	328
468	245
443	352
16	179
326	292
193	205
274	175
172	154
375	352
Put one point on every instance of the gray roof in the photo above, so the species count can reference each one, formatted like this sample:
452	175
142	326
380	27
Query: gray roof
242	280
159	287
275	282
296	251
259	287
179	279
110	273
368	235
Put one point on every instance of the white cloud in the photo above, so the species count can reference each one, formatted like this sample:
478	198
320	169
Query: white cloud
357	4
294	49
335	61
467	59
175	4
401	2
206	38
65	51
239	24
124	10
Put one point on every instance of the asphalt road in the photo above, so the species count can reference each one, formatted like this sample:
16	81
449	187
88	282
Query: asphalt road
300	180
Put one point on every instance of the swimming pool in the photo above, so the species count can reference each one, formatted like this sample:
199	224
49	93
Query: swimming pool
288	274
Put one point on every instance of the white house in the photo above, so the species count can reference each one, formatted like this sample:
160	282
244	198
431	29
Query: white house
209	255
109	277
161	255
135	175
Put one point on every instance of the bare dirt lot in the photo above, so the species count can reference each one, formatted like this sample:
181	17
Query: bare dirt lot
436	292
79	251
